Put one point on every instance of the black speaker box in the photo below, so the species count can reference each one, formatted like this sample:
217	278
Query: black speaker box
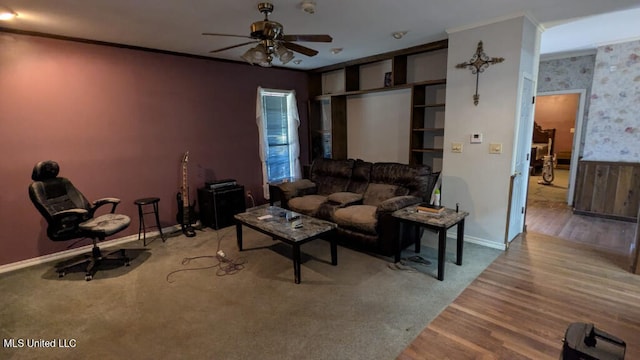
218	206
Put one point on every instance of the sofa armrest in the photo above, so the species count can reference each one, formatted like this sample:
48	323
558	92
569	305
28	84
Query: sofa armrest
289	190
397	203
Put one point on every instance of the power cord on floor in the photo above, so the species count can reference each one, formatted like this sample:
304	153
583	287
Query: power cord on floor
225	265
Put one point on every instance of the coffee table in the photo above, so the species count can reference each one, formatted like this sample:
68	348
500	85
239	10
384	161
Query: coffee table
440	223
276	222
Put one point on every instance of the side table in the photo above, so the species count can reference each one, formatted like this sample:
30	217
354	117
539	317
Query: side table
440	223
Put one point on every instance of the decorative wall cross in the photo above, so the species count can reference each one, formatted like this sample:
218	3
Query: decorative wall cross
478	62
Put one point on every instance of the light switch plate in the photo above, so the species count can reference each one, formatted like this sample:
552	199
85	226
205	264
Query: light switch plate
456	147
495	148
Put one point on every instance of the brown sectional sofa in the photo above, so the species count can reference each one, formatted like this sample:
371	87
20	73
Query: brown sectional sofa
360	197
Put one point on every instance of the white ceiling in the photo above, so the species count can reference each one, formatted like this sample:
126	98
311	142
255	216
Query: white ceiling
361	27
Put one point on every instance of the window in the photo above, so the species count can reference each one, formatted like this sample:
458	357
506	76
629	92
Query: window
277	117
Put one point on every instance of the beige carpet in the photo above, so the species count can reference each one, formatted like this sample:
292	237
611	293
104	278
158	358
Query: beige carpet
359	309
556	192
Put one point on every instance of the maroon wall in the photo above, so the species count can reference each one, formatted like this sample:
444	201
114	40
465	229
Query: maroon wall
118	122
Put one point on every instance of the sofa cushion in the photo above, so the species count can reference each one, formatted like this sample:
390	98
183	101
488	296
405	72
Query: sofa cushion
308	204
360	177
377	193
357	217
344	198
331	175
414	178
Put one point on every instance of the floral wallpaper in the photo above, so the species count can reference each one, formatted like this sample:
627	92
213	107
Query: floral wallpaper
572	73
613	129
568	73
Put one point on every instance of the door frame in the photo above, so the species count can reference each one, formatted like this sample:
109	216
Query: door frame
634	250
522	146
577	136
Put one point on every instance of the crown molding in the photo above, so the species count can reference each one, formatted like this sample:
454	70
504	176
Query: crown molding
567	54
620	41
525	14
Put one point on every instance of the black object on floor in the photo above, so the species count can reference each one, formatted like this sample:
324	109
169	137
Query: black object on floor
584	341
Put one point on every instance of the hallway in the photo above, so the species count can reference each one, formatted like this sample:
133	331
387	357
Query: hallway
549	214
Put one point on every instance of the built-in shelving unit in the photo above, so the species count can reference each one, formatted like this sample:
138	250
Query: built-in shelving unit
427	123
328	105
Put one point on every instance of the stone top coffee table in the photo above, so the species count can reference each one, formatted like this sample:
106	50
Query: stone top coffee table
281	225
440	223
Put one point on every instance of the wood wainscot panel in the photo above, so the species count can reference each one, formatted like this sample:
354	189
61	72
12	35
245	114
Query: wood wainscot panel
608	189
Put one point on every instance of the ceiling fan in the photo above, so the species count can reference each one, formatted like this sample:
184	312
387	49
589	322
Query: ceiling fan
271	41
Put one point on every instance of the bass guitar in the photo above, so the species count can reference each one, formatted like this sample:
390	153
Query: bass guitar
186	212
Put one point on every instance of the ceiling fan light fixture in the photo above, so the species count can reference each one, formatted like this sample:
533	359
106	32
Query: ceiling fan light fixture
258	53
272	42
265	63
336	51
248	56
286	57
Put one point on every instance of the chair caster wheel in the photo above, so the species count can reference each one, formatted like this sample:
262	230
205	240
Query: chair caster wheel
61	274
88	277
127	264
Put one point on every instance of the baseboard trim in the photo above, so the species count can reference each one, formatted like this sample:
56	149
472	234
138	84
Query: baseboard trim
478	241
81	250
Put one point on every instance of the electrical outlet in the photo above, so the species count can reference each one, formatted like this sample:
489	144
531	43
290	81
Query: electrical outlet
495	148
456	147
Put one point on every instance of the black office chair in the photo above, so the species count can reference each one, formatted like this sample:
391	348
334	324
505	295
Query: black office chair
70	216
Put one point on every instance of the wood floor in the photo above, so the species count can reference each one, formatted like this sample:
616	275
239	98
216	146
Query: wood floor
521	305
557	219
548	213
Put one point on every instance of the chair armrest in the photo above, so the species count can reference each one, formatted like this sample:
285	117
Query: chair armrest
397	203
297	188
104	201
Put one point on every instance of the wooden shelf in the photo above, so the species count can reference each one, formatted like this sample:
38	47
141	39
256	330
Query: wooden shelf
427	150
388	88
362	92
429	105
430	82
324	97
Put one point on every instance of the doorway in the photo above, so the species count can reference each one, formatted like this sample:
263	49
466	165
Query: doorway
562	111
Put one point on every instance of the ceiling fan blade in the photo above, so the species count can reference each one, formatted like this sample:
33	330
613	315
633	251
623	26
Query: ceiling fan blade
299	48
233	46
310	38
241	36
